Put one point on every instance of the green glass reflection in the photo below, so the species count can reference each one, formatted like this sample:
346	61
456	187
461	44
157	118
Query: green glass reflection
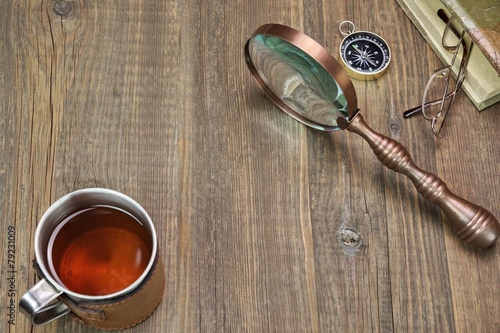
298	79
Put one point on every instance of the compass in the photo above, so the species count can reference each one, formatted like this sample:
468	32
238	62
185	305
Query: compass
364	55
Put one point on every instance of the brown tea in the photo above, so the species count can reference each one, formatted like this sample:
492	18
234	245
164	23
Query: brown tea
99	250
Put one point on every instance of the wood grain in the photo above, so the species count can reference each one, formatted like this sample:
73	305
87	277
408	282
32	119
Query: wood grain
264	225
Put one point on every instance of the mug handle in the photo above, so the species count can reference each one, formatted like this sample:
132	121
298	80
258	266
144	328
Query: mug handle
36	303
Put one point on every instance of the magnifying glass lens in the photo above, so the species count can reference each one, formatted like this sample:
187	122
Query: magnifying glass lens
296	82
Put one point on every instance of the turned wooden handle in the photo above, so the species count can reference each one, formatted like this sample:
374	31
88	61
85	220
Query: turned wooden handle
474	224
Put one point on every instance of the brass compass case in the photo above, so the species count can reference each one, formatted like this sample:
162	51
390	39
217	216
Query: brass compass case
306	82
363	54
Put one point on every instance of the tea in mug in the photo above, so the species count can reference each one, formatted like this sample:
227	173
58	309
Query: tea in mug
99	250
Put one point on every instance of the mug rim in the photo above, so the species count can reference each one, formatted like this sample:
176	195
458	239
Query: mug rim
47	274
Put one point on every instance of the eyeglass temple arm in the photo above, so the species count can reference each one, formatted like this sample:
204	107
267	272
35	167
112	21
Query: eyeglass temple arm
418	109
461	71
474	224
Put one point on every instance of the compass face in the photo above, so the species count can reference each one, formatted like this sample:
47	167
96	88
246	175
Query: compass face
365	54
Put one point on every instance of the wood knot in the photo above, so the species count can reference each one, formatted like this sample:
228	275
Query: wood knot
395	128
62	8
350	240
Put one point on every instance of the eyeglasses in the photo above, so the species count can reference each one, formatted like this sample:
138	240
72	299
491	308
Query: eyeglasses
442	88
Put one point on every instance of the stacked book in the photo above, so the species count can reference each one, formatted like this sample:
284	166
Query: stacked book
481	20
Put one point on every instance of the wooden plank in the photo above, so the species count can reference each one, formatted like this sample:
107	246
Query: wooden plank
263	224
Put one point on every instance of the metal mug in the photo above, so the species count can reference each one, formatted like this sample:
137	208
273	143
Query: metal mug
49	299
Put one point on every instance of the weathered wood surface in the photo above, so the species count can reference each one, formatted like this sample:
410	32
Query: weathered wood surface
152	98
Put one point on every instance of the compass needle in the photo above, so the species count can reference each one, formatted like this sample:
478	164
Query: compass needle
365	57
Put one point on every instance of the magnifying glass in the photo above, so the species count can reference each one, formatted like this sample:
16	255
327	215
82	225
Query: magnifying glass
306	82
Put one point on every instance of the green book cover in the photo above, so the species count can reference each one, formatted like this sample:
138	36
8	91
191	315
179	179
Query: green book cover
481	20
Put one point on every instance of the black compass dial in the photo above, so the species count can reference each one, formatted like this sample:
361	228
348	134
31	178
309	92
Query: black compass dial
365	52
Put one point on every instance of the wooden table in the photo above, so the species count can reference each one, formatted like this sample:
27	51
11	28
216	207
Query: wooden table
264	224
